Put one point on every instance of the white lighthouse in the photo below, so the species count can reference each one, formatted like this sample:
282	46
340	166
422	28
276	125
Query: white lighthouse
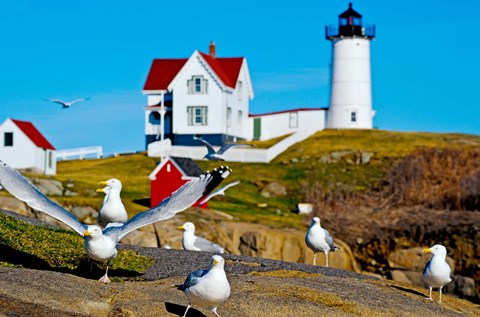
351	88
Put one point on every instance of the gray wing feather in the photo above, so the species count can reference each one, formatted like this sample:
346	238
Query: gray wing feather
329	240
20	187
225	147
193	278
180	200
208	246
220	191
208	145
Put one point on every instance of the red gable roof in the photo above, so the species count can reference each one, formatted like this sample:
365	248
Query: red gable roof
163	71
33	134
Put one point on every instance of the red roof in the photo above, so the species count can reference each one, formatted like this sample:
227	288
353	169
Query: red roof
163	71
33	134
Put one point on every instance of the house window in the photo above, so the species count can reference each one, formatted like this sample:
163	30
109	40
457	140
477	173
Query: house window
8	139
353	116
293	120
229	117
197	85
197	115
50	159
240	114
240	90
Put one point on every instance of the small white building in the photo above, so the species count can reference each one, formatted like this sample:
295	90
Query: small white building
23	146
200	95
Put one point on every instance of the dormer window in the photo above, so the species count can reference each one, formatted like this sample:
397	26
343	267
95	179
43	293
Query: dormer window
197	85
353	117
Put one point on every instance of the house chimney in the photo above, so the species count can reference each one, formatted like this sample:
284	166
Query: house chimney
211	49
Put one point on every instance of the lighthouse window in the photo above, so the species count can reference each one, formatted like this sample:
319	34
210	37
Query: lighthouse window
293	120
353	116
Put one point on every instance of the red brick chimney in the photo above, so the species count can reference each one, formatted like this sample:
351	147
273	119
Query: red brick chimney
211	49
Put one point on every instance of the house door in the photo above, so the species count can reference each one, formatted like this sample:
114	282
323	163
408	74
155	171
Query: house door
257	128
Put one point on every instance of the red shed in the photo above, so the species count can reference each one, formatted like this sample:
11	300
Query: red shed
169	175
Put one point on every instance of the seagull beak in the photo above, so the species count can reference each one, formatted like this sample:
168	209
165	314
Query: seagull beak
215	262
181	228
86	233
103	183
100	190
427	250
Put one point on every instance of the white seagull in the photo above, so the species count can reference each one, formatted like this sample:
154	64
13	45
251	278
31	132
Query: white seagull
193	243
101	245
437	271
112	209
218	192
66	104
319	239
207	288
213	155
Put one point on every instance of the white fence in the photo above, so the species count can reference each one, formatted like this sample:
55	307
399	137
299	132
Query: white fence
80	153
250	155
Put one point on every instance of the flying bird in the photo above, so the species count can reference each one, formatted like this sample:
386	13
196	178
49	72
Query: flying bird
193	243
437	271
319	239
207	288
112	209
213	155
101	245
218	192
66	104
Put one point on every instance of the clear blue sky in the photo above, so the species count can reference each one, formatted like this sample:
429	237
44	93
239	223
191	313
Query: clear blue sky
425	60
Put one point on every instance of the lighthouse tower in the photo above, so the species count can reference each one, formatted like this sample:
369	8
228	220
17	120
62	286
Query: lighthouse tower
351	88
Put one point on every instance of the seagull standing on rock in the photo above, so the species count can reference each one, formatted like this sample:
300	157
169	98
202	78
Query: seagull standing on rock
207	288
101	245
112	209
193	243
319	239
437	271
66	104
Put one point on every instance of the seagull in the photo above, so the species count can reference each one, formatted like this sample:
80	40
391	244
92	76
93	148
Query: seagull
319	239
101	245
218	192
112	209
66	104
213	155
193	243
207	288
437	271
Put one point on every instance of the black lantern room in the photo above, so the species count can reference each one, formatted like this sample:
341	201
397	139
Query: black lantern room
350	25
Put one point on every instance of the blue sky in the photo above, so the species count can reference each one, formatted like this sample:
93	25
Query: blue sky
425	62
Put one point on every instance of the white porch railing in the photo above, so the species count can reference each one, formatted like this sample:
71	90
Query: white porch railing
250	155
80	153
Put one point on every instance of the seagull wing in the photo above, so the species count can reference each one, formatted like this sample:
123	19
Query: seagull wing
20	187
193	278
206	245
208	145
63	103
220	191
180	200
226	146
77	100
218	176
329	240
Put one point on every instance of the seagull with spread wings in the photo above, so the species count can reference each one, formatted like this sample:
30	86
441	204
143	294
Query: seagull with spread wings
213	155
101	245
66	104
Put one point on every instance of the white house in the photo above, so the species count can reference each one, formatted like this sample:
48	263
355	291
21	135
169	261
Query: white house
23	146
200	95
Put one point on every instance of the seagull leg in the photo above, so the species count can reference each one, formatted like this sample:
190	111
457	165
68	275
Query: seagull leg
326	259
314	258
214	310
185	314
105	279
430	298
440	299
